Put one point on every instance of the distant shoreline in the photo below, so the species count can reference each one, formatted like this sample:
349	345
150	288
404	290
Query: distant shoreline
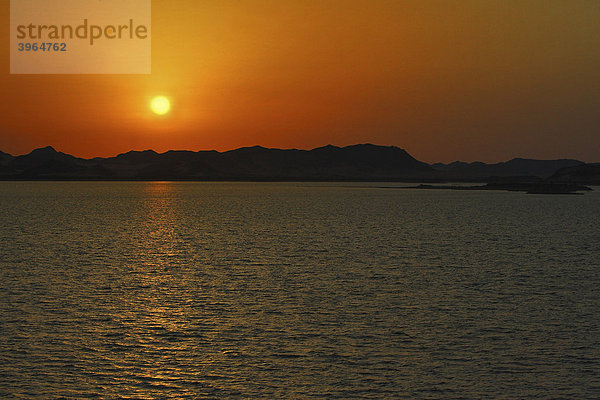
529	188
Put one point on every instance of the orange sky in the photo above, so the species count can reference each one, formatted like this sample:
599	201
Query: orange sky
446	80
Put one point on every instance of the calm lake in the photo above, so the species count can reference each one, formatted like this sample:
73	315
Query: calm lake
296	290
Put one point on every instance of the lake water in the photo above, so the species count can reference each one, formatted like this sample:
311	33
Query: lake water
246	290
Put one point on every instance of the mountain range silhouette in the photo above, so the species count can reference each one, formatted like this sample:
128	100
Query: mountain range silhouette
363	162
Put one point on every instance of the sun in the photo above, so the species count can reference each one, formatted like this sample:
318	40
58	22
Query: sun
160	105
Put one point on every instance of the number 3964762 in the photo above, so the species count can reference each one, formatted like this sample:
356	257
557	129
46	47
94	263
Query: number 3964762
42	47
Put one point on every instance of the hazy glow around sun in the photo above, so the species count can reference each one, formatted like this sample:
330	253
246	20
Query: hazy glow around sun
160	105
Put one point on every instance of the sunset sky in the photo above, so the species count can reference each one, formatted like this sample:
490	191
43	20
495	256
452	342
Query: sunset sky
446	80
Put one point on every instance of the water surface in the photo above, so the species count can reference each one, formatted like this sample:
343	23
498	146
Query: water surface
244	290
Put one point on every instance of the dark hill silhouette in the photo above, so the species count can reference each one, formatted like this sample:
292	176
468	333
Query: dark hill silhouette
4	160
46	162
515	167
363	162
587	174
359	162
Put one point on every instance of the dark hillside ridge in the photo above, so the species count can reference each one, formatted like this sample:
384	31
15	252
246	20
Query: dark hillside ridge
515	167
359	162
362	162
586	174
